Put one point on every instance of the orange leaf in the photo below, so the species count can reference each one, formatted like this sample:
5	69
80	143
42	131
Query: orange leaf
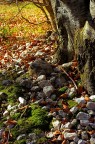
86	98
57	132
65	107
91	132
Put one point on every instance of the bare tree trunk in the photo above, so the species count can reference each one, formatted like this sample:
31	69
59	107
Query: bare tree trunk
76	29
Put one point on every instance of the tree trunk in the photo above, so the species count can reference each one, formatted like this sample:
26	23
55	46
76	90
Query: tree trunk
75	24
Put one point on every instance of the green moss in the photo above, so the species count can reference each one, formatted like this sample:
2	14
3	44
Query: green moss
63	89
15	116
13	92
23	141
39	118
41	140
72	103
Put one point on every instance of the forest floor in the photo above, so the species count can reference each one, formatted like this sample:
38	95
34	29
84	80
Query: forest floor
40	102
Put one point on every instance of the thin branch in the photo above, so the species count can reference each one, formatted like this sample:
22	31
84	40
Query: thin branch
69	77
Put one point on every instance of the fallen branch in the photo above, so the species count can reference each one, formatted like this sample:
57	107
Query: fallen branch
69	77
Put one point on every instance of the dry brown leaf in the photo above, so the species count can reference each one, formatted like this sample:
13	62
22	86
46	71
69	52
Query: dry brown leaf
64	142
91	132
11	122
63	95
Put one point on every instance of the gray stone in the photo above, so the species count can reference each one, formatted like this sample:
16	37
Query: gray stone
41	77
22	100
68	125
56	123
48	90
62	113
91	112
40	66
44	83
70	136
32	136
83	116
3	96
6	82
49	135
21	136
84	122
92	125
92	97
92	140
72	142
74	122
26	83
84	135
80	100
35	88
74	109
91	105
53	96
81	141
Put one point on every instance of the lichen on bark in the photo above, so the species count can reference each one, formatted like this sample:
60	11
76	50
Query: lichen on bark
85	52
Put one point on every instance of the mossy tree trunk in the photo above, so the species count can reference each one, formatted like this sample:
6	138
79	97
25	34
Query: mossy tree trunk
75	25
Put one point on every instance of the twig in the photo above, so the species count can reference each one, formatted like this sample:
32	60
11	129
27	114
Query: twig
69	77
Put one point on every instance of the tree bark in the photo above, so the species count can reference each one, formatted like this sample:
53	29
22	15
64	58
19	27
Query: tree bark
76	29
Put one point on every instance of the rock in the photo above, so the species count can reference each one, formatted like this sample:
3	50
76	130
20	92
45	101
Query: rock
74	122
72	143
35	88
40	95
3	96
70	136
76	139
49	135
91	105
92	125
26	83
74	109
1	131
83	116
9	107
44	83
40	66
21	136
92	97
48	90
62	113
91	112
71	92
81	141
68	125
92	140
56	123
84	135
41	77
22	100
6	113
80	100
53	96
84	122
6	82
39	53
60	81
33	136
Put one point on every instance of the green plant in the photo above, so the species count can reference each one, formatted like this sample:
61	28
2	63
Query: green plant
72	103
